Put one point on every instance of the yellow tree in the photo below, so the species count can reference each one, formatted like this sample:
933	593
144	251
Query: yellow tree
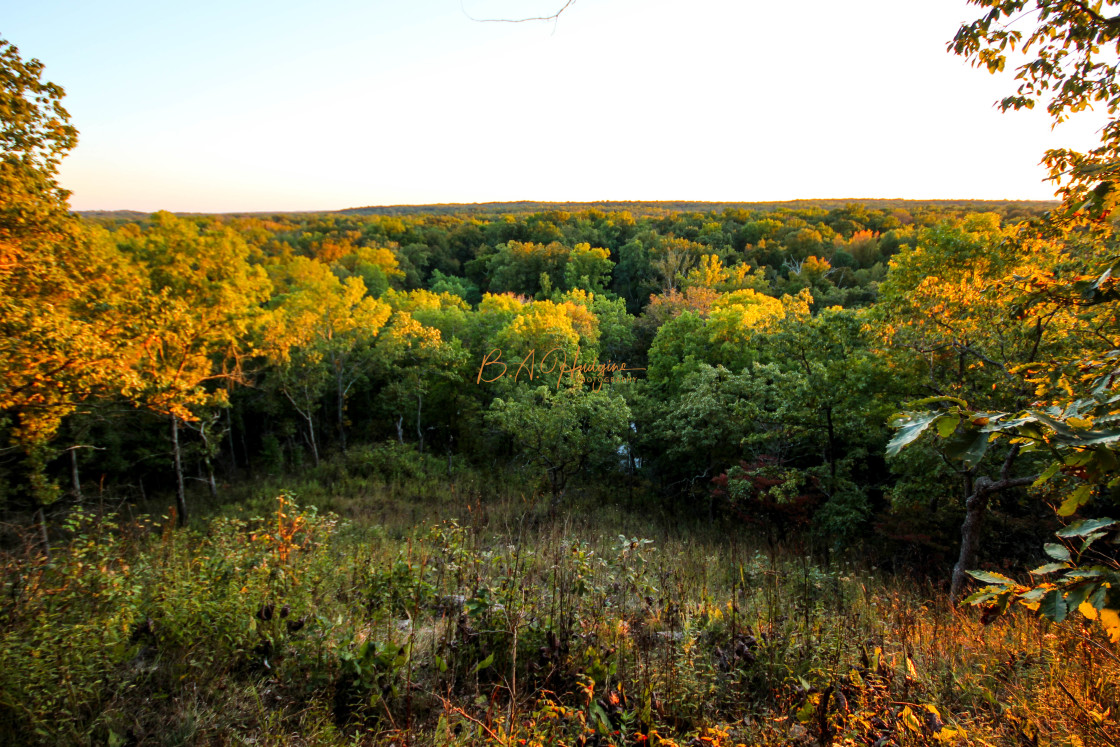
416	361
201	299
69	326
1070	50
955	301
445	311
723	334
709	274
546	339
320	331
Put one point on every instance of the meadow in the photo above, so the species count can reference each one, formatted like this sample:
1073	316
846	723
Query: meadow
379	600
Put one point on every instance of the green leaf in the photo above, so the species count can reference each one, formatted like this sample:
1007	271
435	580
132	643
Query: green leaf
1078	594
1083	573
806	712
910	426
484	663
1099	438
1090	539
1049	568
1053	606
991	578
947	424
977	450
602	721
1050	472
1074	501
1056	425
981	596
968	446
1085	526
1057	552
1105	459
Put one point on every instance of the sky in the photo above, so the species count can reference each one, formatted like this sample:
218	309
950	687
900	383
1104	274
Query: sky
246	105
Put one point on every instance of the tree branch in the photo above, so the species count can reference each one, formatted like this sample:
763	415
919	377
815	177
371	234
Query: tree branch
552	17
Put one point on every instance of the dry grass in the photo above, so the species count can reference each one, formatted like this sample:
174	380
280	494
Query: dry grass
439	612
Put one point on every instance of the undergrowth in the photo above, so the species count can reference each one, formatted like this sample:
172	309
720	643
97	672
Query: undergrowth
472	620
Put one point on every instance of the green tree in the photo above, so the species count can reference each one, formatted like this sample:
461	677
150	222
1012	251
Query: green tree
563	431
956	300
634	277
419	368
672	259
588	269
825	391
321	331
465	289
517	266
724	335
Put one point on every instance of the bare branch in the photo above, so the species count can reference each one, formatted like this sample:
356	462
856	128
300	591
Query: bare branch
552	17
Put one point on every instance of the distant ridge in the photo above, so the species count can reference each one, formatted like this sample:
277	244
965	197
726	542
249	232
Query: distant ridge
636	206
113	214
529	206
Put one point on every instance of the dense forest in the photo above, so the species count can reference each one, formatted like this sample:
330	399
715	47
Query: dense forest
581	474
759	347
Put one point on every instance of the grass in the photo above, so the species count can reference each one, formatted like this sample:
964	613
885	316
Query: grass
410	608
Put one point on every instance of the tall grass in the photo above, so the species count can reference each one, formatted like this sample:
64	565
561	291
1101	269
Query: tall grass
416	609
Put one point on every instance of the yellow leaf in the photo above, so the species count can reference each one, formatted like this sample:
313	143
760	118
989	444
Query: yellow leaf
1110	619
948	735
1088	610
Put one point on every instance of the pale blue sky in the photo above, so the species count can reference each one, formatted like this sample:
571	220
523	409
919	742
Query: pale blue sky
247	105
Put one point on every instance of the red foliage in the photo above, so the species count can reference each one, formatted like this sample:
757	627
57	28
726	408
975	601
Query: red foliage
760	504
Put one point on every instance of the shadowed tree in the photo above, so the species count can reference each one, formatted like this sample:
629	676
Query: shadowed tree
562	430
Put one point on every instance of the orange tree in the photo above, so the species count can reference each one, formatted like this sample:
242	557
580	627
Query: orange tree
1071	57
1070	429
69	321
1068	54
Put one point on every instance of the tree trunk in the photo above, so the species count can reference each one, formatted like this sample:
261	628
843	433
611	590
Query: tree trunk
245	448
341	408
75	478
311	440
180	487
831	446
975	505
210	481
970	535
419	430
42	519
556	480
229	432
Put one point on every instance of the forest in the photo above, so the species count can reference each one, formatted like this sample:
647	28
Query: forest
637	473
